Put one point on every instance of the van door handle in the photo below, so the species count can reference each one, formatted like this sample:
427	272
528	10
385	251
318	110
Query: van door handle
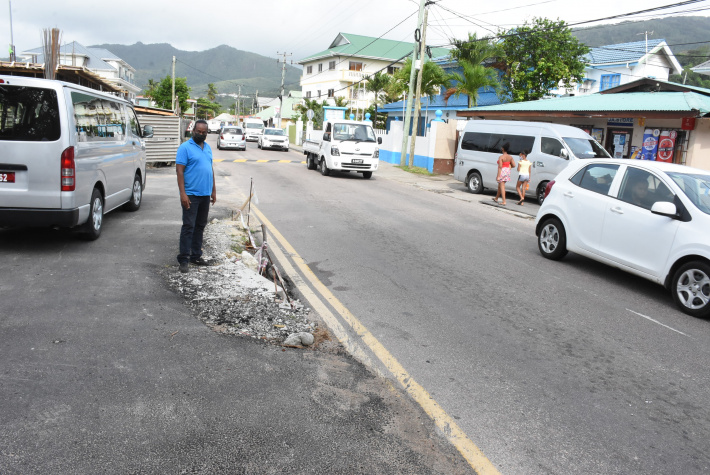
617	210
540	164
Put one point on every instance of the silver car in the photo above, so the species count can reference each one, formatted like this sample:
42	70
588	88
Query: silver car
232	137
273	138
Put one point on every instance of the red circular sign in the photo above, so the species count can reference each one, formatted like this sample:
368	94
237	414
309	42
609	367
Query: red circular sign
665	149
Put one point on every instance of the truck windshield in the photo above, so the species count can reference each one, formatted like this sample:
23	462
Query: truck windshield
356	132
586	148
28	114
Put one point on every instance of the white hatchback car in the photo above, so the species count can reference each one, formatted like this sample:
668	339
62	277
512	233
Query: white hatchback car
647	218
273	137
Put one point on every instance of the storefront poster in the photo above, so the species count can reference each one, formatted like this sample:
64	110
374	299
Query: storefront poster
666	145
635	153
650	144
598	135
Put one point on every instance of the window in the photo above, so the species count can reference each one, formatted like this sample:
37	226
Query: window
133	122
28	114
308	94
551	146
357	133
476	141
596	178
642	188
355	66
492	143
609	81
331	65
320	67
331	92
392	69
309	69
318	92
98	119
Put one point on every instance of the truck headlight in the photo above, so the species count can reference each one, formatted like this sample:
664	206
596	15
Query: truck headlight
376	154
334	152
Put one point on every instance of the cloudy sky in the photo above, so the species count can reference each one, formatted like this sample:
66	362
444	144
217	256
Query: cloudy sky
301	27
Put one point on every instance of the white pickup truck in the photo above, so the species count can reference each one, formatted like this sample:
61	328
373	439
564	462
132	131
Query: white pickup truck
343	145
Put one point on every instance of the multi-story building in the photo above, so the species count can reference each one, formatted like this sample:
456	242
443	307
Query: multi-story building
342	69
99	61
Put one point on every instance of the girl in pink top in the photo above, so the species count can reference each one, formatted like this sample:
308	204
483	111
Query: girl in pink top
505	162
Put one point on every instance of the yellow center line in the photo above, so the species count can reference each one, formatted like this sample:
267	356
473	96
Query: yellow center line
284	161
262	161
218	160
473	455
240	160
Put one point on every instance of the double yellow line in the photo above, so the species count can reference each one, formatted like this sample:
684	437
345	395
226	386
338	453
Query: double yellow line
473	455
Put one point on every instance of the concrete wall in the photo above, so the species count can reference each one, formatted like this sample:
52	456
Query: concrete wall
435	152
699	145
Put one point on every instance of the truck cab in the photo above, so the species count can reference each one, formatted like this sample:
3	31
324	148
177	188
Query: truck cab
345	145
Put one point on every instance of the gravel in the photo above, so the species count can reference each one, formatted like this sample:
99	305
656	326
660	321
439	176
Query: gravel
233	299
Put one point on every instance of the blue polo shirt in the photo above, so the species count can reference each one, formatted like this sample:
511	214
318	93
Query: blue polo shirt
198	167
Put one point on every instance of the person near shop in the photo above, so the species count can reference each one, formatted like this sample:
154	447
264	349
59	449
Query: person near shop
524	168
505	162
196	183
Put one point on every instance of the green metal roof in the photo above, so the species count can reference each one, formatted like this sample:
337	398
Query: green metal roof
623	101
288	104
346	44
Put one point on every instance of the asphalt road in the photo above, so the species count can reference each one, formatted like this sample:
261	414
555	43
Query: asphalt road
564	367
105	370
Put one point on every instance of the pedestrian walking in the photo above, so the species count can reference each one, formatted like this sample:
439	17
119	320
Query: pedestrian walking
505	162
524	168
195	178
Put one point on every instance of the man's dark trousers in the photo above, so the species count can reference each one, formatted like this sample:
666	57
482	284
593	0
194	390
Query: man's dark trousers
194	221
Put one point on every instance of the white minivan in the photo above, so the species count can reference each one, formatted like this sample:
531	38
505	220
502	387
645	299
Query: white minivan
68	154
550	148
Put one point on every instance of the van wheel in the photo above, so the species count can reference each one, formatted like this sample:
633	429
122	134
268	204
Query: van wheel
552	240
92	227
324	170
474	183
136	194
366	174
691	288
540	192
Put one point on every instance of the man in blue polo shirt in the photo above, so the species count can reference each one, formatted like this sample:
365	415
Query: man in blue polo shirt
195	178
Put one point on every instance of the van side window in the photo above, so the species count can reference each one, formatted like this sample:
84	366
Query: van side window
98	119
28	114
476	141
133	122
517	143
551	146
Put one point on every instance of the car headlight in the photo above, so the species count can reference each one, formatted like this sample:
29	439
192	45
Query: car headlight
334	152
376	154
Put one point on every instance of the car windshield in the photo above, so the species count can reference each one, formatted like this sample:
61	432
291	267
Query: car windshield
232	130
273	132
586	148
356	132
254	126
696	187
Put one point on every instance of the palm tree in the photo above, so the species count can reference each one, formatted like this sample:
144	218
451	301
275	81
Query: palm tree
470	80
340	101
378	83
211	92
150	88
433	77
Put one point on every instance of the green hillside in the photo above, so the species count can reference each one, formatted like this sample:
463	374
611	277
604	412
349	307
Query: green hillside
224	66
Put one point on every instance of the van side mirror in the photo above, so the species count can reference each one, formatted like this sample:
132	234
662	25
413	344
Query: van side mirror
147	131
564	154
379	140
326	137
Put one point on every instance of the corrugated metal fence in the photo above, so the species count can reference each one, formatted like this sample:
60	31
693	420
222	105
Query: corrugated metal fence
167	137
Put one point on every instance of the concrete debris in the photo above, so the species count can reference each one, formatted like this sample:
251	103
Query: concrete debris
299	339
231	298
250	261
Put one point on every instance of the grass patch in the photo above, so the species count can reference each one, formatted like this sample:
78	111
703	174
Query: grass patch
415	170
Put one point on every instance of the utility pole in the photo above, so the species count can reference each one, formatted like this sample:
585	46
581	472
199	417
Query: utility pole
403	156
172	96
283	78
239	103
417	98
13	57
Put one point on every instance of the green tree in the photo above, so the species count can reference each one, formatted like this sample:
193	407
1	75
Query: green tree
206	108
163	93
433	77
378	84
316	107
149	89
211	92
340	101
538	57
475	57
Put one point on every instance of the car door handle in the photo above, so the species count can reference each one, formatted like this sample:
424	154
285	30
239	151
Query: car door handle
569	194
617	210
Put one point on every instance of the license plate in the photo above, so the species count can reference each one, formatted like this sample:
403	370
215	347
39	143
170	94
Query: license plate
7	177
357	160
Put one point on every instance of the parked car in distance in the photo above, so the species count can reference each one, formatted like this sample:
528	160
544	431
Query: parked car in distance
550	147
213	126
231	137
273	138
60	164
647	218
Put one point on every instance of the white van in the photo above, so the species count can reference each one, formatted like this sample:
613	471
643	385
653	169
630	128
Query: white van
253	128
550	147
68	154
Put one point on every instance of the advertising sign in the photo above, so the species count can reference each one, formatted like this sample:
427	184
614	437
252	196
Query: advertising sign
650	144
666	145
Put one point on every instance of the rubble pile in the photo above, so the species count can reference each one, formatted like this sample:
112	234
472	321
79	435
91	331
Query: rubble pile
233	299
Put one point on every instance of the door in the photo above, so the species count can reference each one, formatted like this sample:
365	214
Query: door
549	162
618	142
633	236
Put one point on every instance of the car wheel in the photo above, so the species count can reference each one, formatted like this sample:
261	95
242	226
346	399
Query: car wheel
92	227
691	288
540	192
324	170
552	240
258	145
474	183
366	175
136	194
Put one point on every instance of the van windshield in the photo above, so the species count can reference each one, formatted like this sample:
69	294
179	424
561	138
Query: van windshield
28	114
254	126
586	148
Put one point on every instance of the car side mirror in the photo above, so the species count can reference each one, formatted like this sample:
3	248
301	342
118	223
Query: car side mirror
379	140
564	154
665	208
147	131
326	137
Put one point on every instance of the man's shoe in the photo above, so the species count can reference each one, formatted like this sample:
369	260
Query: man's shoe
200	262
184	267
